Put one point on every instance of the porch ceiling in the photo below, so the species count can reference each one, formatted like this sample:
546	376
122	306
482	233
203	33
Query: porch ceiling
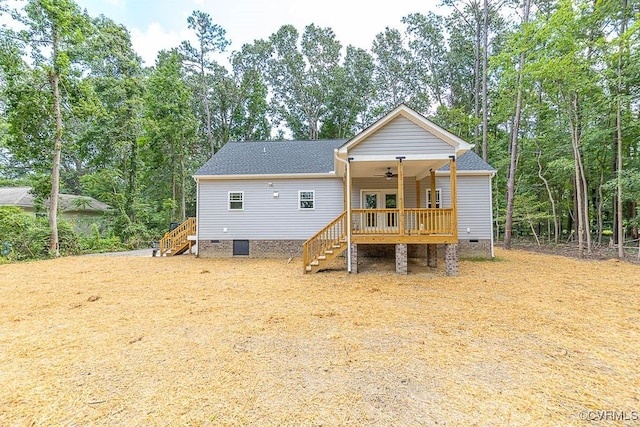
417	168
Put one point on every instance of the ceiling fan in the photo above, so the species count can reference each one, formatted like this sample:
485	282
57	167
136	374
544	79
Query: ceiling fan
388	174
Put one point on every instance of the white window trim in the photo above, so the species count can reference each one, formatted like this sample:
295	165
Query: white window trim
313	192
229	193
438	198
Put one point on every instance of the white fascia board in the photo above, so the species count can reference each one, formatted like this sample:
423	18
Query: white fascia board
467	173
394	157
331	174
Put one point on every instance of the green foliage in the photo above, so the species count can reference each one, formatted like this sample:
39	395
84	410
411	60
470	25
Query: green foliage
96	243
25	237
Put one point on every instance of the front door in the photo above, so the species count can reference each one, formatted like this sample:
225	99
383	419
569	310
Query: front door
380	200
371	200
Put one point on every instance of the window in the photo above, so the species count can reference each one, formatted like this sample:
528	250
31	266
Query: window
306	199
236	200
438	192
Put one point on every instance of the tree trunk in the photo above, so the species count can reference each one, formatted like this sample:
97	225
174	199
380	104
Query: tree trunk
174	195
485	56
476	85
183	191
132	173
619	218
513	164
583	176
54	80
600	205
205	104
579	199
556	226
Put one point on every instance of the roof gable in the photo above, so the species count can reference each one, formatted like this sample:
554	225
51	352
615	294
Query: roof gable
459	145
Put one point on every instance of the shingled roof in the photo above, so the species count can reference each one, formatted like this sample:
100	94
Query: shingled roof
295	157
470	161
272	158
22	197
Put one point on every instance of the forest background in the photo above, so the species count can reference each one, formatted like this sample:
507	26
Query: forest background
548	91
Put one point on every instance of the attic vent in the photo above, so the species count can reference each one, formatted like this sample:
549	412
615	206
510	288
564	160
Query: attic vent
264	150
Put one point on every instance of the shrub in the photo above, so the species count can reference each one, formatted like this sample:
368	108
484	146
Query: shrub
24	237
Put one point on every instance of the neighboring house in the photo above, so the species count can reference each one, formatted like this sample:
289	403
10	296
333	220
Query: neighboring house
389	186
80	211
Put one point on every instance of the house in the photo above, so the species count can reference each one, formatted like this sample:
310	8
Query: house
80	211
403	183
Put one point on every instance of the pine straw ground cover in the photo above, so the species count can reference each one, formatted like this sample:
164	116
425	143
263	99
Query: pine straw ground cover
529	339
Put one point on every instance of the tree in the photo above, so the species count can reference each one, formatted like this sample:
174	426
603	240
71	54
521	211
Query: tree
211	39
171	129
393	71
301	72
110	109
428	53
53	28
513	164
351	97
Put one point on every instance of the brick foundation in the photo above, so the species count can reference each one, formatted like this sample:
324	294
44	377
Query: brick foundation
401	258
451	259
257	248
478	249
215	248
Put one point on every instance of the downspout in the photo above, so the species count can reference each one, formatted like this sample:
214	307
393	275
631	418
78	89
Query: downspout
197	217
347	165
493	255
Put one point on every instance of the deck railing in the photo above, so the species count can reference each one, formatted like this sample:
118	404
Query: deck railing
325	239
428	221
375	221
178	236
416	221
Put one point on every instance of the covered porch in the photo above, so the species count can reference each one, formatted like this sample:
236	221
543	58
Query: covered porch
397	201
391	201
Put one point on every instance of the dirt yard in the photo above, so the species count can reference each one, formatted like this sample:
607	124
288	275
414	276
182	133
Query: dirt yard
530	339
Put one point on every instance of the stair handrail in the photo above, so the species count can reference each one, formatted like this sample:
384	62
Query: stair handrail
172	239
325	239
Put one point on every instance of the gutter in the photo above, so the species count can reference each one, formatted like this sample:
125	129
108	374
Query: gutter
348	166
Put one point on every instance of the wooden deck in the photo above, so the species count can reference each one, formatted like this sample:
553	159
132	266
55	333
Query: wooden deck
379	226
414	226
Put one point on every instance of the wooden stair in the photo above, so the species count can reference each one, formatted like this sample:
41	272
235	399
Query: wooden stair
325	245
178	241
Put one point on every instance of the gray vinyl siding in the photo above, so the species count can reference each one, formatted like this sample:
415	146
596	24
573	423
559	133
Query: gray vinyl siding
474	207
402	137
265	217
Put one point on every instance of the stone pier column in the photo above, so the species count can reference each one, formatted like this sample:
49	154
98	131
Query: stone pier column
354	258
451	259
432	255
401	258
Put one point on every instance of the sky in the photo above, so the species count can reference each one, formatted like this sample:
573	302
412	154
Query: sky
162	24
